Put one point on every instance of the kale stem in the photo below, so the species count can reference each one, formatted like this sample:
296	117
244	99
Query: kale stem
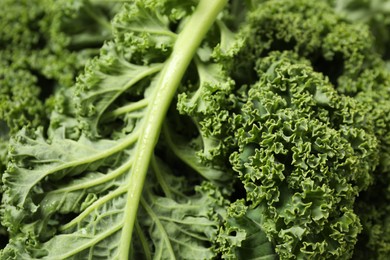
129	108
160	179
184	50
143	241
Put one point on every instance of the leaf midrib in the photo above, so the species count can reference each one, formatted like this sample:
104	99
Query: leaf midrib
191	37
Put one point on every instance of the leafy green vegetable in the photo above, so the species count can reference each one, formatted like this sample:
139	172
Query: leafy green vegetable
84	188
303	146
43	45
150	129
373	13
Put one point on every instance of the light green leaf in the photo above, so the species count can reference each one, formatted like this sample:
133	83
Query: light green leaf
70	196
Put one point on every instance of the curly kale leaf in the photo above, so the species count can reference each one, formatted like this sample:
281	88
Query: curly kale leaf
53	39
313	30
347	54
207	106
242	235
373	13
72	190
305	125
276	144
372	206
39	55
303	151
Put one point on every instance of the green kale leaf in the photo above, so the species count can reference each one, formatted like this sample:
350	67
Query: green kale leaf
148	129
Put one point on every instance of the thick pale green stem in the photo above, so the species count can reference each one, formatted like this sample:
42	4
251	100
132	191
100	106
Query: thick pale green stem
184	50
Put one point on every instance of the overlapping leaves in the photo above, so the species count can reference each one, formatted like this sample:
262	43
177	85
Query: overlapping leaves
66	188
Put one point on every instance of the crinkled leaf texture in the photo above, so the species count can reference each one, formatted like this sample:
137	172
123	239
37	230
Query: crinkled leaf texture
72	191
347	54
242	235
304	155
